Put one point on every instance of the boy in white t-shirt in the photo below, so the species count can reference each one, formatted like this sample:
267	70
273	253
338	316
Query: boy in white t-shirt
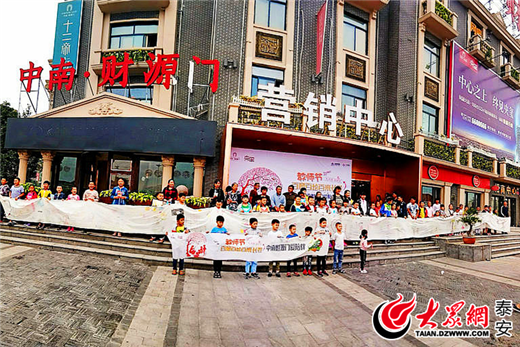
275	232
322	259
339	247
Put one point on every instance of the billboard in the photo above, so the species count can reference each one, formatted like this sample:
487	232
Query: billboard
270	169
483	108
66	38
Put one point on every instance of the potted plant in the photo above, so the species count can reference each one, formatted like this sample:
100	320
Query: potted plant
197	203
104	196
470	218
140	199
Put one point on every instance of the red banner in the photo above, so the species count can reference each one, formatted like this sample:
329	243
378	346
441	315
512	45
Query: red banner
320	29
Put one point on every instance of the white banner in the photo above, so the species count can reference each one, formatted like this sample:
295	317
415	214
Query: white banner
270	169
159	220
248	248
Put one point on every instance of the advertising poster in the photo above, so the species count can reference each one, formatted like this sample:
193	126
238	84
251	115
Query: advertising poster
484	109
270	169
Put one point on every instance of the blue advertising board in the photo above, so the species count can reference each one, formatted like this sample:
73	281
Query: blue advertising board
68	26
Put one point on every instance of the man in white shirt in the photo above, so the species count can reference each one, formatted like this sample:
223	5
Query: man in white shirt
430	210
436	206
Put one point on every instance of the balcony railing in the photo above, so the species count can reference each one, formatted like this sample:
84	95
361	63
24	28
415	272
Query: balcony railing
439	151
439	20
482	50
510	75
512	171
482	162
136	54
369	5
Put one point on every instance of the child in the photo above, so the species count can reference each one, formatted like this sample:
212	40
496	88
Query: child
262	205
422	212
292	233
393	211
322	206
345	208
31	195
363	247
322	259
281	208
45	193
312	205
73	196
219	229
219	204
179	228
91	194
158	202
59	195
355	211
245	206
297	206
333	208
275	232
251	265
307	260
373	211
182	199
339	248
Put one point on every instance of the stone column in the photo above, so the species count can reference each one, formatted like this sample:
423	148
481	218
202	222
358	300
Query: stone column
198	176
23	157
167	171
47	166
446	198
457	155
495	166
503	168
470	158
233	111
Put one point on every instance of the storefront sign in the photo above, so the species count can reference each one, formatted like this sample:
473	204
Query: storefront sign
321	18
269	46
68	27
483	107
431	89
505	189
495	188
433	172
476	181
270	169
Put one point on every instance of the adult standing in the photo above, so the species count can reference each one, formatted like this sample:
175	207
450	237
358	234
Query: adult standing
4	191
504	210
336	196
290	195
401	207
254	195
170	192
216	193
363	204
232	198
278	199
412	208
91	194
348	198
17	192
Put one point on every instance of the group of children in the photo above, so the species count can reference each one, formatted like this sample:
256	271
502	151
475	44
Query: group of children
337	238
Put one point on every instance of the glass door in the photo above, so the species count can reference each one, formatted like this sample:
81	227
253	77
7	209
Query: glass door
360	187
511	202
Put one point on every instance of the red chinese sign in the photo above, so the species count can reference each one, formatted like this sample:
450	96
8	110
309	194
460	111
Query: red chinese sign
476	181
433	172
161	71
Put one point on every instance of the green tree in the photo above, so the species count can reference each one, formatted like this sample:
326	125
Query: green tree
9	158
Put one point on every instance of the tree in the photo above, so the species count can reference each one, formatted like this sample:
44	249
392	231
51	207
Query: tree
9	158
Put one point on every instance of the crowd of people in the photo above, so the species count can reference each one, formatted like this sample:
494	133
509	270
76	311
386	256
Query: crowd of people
392	205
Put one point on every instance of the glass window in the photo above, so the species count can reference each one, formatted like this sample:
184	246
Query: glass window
431	57
430	193
140	93
355	34
506	56
472	199
67	174
350	95
183	175
133	35
150	176
270	13
430	120
263	76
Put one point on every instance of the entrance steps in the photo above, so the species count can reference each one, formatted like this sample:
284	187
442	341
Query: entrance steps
138	248
502	245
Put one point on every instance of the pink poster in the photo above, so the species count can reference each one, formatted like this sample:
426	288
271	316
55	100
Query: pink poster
270	169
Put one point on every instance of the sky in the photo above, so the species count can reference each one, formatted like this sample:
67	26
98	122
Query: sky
26	34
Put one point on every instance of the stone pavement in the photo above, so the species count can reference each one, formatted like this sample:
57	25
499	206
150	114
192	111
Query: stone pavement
50	298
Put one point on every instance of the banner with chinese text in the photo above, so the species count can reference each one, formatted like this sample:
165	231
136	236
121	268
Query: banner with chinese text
270	169
248	248
484	109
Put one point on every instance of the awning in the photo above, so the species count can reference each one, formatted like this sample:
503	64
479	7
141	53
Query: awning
113	134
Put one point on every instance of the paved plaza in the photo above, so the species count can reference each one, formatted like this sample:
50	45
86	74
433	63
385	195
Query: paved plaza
50	298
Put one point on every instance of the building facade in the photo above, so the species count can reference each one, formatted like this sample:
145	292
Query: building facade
382	56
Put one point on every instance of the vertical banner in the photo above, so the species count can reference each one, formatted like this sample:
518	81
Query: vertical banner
68	27
270	169
320	30
484	109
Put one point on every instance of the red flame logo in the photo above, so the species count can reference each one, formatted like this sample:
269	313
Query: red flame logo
391	320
